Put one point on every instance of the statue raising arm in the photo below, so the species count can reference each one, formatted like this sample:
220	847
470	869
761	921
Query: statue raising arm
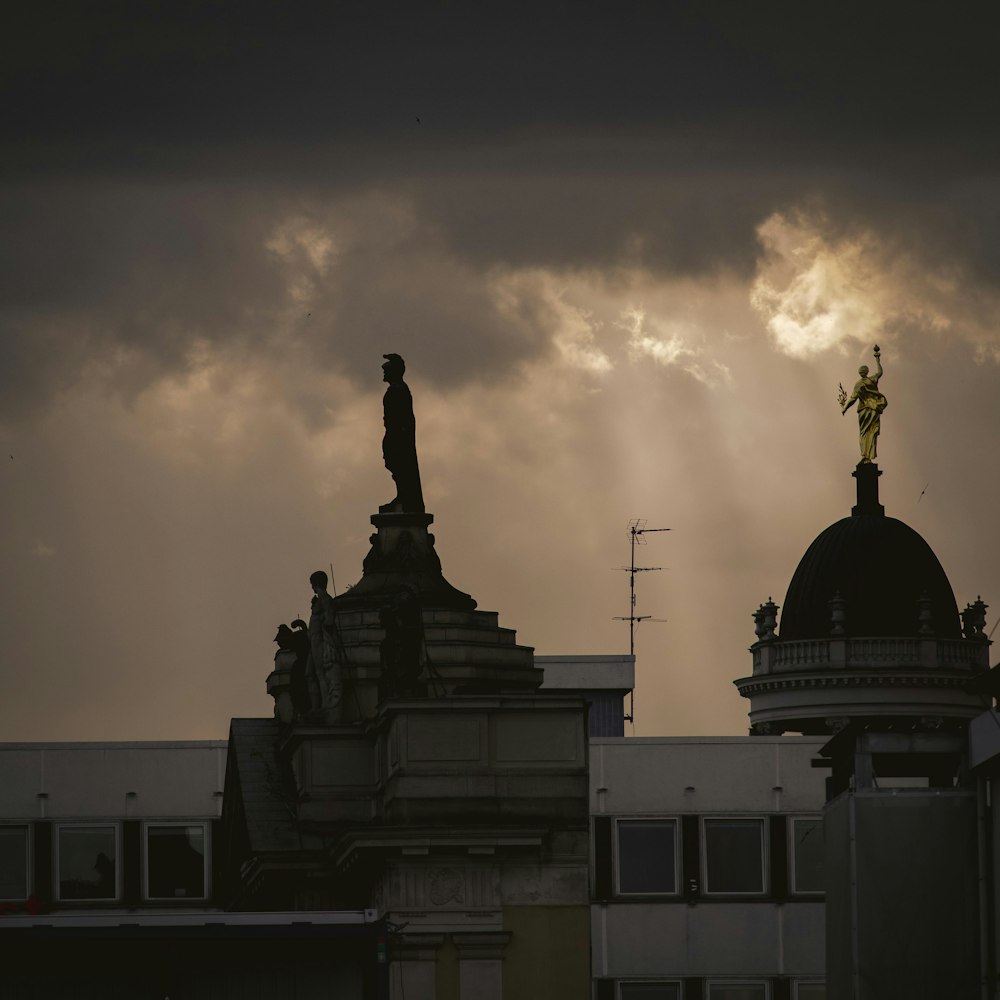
870	402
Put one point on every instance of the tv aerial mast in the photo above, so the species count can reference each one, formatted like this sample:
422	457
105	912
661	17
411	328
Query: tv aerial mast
637	532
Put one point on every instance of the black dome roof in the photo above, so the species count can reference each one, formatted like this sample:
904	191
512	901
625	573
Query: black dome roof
880	566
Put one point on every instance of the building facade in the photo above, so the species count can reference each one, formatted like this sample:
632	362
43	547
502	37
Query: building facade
708	879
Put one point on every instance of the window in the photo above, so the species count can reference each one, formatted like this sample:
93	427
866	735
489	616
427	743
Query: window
649	991
807	854
810	991
175	861
734	857
13	863
87	858
737	991
647	855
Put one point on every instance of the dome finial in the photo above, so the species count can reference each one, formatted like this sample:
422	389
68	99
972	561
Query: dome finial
867	474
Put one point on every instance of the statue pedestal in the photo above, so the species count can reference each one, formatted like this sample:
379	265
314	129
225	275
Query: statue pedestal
867	474
402	554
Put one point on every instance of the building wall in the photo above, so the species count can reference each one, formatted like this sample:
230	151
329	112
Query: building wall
546	956
81	780
690	925
146	812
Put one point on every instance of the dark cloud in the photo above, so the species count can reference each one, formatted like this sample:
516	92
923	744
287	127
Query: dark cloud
197	74
119	280
151	151
121	284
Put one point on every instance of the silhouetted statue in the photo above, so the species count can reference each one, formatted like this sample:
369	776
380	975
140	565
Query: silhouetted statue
324	652
871	403
296	641
401	650
399	445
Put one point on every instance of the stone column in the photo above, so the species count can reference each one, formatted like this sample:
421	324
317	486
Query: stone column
480	964
412	973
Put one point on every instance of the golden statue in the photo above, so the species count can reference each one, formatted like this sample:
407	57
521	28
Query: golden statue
870	402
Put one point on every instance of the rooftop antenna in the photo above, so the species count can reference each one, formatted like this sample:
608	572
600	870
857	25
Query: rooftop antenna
637	529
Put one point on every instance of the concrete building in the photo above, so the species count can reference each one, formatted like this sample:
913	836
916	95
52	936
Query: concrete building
111	865
707	868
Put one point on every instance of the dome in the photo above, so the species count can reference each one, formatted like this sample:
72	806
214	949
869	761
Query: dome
881	568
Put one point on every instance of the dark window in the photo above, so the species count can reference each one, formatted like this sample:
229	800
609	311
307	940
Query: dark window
88	862
737	991
175	862
650	991
807	856
603	859
647	855
13	862
734	857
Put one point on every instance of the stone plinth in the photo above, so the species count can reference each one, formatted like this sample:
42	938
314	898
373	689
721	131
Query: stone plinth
520	759
402	553
334	769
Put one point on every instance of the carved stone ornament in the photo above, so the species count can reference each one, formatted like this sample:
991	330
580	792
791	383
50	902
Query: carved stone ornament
765	620
974	620
445	885
925	618
838	615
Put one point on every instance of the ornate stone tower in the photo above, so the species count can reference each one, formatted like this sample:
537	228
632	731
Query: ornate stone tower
413	768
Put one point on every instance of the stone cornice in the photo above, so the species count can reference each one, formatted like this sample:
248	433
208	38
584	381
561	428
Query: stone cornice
750	686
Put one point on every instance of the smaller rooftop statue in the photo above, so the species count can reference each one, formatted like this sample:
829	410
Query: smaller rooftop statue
401	651
325	659
294	641
399	445
871	403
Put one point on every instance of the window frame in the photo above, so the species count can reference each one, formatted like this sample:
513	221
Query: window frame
741	981
765	857
793	889
658	981
57	895
805	982
615	843
28	859
206	827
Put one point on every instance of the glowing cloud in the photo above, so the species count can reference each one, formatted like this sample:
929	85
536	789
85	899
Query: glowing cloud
814	293
673	347
572	328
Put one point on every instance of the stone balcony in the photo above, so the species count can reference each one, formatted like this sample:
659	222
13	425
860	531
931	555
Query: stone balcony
814	686
775	657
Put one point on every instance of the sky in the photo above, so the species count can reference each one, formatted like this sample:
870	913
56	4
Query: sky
627	250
